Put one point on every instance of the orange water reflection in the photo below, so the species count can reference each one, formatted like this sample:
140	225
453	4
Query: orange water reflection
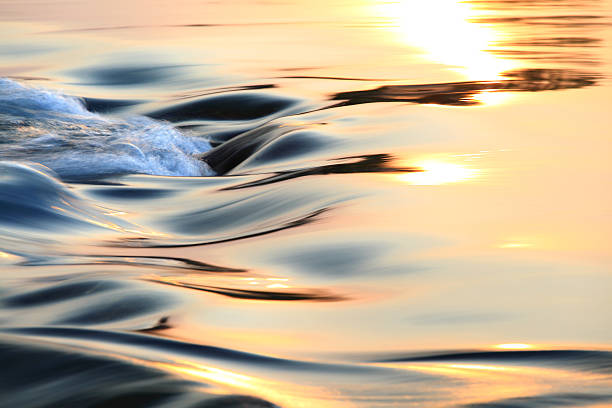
480	383
280	392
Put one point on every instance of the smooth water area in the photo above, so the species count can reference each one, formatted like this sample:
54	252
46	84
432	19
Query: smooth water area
346	203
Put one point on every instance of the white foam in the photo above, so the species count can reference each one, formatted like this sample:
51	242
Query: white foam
57	131
17	95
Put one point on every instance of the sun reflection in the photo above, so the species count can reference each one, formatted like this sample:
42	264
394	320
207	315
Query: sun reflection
443	29
514	346
214	375
277	286
437	172
6	258
490	98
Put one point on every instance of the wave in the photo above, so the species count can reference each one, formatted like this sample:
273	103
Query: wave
150	345
58	131
34	199
83	379
576	399
589	360
148	369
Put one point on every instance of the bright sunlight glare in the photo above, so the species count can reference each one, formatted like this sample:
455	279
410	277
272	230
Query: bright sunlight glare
514	346
444	30
438	172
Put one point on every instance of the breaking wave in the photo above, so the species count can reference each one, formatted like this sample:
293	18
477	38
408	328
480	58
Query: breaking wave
57	131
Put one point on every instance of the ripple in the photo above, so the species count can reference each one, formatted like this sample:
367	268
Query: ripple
60	293
231	107
312	295
462	93
152	344
116	307
43	375
547	400
590	360
119	76
31	197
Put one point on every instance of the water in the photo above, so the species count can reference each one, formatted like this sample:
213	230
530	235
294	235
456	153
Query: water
305	204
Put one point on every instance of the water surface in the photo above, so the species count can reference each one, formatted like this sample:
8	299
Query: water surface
328	203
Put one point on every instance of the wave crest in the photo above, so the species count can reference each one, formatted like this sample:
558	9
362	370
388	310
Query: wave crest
57	131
